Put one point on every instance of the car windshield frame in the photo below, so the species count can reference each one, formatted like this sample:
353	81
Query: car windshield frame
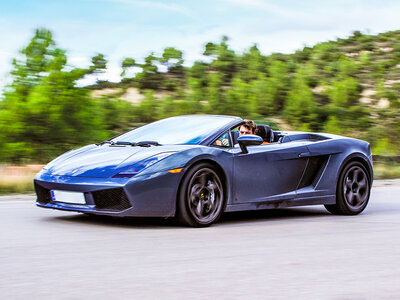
181	130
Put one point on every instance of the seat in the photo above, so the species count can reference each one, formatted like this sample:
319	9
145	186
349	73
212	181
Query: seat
265	132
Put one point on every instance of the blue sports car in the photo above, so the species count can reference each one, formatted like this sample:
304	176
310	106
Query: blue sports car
197	167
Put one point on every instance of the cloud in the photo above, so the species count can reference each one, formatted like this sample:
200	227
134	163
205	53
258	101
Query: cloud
263	6
154	5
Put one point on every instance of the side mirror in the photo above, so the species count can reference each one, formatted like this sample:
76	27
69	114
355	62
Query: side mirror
249	140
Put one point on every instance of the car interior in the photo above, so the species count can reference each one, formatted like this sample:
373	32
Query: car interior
264	131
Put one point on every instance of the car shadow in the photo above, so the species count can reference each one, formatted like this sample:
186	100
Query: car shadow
226	219
128	222
273	214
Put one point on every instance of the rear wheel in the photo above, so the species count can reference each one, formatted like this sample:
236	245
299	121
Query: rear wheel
201	196
353	190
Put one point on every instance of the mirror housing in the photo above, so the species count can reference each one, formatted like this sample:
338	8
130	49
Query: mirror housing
249	140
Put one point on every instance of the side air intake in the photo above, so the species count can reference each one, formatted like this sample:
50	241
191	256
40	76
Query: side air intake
313	171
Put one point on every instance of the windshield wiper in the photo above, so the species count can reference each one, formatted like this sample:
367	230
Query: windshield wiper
123	143
139	144
147	144
105	142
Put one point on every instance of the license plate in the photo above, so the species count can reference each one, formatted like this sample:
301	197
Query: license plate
68	197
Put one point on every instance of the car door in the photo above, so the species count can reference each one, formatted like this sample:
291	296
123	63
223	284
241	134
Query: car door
268	172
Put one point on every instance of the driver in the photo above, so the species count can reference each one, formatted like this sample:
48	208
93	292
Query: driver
249	127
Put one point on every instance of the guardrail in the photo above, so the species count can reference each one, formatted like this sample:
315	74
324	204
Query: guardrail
387	159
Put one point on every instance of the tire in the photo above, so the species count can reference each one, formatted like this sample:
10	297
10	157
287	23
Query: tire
353	190
201	198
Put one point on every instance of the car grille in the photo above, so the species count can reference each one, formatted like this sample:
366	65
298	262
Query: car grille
111	199
43	194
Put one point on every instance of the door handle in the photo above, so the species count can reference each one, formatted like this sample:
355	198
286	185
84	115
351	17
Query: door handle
304	154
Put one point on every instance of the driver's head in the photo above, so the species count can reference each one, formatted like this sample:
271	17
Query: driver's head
249	127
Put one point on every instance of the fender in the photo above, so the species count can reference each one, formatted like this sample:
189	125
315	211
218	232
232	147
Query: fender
364	160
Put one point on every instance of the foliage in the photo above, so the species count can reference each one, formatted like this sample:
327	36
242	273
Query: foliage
43	112
99	65
326	87
385	170
300	106
127	63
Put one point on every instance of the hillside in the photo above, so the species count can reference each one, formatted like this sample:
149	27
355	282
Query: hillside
348	86
376	59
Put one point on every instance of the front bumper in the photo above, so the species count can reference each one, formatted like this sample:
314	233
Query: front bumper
147	195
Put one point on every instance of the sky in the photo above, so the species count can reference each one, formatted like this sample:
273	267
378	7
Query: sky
134	28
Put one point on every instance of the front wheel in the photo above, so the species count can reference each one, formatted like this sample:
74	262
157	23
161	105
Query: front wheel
353	190
201	196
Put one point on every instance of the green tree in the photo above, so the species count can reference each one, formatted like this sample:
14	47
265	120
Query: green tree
99	65
199	71
278	85
173	61
333	125
117	115
172	58
215	94
167	107
251	65
148	108
345	92
43	113
149	78
365	59
239	99
263	91
195	96
300	106
224	59
127	64
37	57
346	67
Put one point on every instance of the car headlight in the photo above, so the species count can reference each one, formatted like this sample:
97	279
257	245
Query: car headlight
141	165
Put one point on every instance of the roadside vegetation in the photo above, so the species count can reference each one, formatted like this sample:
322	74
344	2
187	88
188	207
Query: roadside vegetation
21	184
348	86
386	170
17	179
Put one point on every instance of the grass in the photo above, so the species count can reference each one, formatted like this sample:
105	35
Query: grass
386	170
16	184
17	180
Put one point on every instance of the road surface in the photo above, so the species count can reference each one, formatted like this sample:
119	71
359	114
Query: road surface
300	253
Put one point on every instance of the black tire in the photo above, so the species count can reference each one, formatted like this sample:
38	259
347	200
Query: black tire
353	190
201	198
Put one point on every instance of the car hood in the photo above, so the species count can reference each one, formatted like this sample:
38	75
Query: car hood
102	161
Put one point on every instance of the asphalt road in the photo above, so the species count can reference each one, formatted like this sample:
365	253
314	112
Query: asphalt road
302	253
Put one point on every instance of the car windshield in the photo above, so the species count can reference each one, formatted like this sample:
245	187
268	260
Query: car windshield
188	130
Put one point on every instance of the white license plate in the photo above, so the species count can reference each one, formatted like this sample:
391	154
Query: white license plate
68	197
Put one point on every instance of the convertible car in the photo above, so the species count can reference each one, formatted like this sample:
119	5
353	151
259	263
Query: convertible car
197	167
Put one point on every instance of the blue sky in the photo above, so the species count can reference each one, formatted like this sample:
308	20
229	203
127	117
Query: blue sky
134	28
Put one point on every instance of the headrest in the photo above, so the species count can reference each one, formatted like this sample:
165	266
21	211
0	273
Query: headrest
265	132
